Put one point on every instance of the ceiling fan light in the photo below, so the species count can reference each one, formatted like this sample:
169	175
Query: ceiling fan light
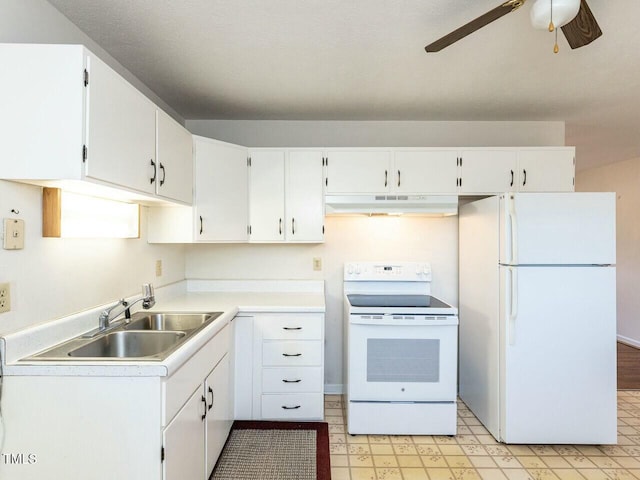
563	12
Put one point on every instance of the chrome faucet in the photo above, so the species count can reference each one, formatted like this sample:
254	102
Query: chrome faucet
148	300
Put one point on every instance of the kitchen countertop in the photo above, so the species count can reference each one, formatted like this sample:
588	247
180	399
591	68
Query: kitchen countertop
230	300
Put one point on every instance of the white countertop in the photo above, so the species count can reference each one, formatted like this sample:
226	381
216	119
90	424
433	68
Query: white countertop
301	297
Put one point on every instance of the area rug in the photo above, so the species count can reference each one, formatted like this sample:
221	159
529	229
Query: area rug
275	451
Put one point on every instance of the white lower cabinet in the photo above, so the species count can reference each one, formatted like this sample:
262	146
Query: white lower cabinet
279	366
197	433
106	427
219	414
288	366
183	449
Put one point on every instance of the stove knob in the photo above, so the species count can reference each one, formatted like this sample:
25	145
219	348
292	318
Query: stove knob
350	269
358	270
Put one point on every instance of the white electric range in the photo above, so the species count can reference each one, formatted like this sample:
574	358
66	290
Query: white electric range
401	351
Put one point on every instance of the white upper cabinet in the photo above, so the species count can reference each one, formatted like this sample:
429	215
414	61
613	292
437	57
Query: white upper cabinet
488	171
42	97
425	171
546	169
266	195
121	131
358	171
304	196
534	169
221	191
286	196
70	120
174	159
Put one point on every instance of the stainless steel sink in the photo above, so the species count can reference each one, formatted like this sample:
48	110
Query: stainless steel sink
172	322
129	344
148	336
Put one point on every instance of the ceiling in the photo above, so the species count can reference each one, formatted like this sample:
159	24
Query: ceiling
365	60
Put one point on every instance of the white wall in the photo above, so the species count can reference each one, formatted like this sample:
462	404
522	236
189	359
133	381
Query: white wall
357	238
624	179
277	133
37	21
55	277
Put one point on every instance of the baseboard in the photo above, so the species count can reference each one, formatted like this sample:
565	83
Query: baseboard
333	389
622	339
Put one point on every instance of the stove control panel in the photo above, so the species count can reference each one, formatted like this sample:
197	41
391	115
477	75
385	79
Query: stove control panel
388	271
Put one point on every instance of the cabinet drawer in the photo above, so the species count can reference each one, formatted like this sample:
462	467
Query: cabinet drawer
292	353
296	406
294	327
292	380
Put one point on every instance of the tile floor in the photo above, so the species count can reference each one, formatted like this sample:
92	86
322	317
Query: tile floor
474	454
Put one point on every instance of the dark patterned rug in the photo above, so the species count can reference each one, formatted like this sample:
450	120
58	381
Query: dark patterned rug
275	451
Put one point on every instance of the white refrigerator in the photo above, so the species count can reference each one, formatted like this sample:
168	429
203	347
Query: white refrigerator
537	308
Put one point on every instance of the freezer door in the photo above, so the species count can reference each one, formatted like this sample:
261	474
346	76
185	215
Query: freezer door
557	228
558	355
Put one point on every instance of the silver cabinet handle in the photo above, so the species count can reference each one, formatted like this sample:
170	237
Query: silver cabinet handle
511	184
398	177
200	224
204	401
524	182
280	227
291	408
292	328
293	226
291	354
210	393
291	381
385	178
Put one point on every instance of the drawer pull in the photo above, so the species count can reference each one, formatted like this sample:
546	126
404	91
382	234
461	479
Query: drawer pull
290	408
291	381
292	328
291	354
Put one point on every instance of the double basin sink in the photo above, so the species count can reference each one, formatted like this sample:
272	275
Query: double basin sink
147	336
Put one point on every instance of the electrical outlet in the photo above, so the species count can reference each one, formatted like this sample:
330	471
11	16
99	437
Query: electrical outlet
317	264
5	297
158	268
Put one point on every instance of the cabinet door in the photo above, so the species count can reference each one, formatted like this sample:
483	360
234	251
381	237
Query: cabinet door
219	417
221	197
304	197
546	170
266	194
183	441
425	171
358	171
121	131
174	152
488	171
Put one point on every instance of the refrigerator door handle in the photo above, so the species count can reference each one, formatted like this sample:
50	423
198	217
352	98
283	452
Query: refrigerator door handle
513	224
513	307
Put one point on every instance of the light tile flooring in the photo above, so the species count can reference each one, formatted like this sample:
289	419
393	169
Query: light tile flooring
474	454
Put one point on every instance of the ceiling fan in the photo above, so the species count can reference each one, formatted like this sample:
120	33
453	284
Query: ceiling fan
574	16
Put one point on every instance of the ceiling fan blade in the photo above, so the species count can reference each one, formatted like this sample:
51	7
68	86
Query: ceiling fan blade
473	25
583	29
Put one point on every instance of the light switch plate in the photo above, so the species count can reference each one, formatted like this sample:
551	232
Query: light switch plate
13	238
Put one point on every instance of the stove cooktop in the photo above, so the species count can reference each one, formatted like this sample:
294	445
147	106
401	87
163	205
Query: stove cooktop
393	301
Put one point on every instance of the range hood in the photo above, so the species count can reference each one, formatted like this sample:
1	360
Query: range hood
436	205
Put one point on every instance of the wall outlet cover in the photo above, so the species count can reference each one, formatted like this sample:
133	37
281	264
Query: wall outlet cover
5	297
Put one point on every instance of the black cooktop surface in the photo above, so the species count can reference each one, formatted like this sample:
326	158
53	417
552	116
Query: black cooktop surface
424	301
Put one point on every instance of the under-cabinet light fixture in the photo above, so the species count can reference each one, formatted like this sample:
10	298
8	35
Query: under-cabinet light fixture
71	215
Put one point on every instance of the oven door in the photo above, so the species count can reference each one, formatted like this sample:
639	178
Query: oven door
402	363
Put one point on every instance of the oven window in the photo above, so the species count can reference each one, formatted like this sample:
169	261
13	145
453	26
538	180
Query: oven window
403	360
